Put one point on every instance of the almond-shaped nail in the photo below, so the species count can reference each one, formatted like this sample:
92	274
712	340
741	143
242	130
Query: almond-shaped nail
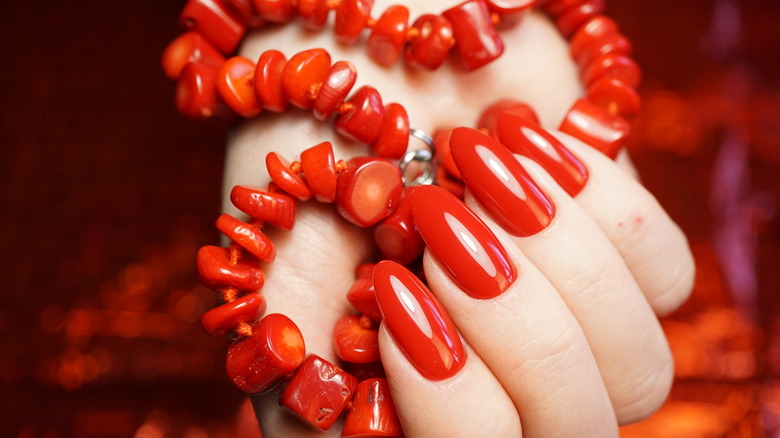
418	322
528	139
471	253
500	183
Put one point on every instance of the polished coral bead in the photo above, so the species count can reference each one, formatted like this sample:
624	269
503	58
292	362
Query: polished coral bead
335	88
196	93
281	174
274	350
557	7
236	85
613	65
312	14
224	318
369	190
189	47
430	41
276	209
363	120
356	339
364	270
246	11
614	96
268	80
318	392
215	22
372	412
303	75
571	19
393	137
595	126
510	6
319	168
276	11
216	271
361	294
441	139
387	38
487	120
248	236
592	30
611	43
476	40
397	236
351	17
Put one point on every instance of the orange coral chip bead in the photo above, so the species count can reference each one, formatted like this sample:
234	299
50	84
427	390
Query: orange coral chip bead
276	11
476	40
189	47
248	236
595	126
614	96
319	168
280	172
268	80
386	40
431	43
236	85
222	319
372	412
339	82
613	65
571	19
313	14
216	271
246	11
351	17
276	209
303	75
369	190
215	22
393	137
196	93
489	117
397	236
363	121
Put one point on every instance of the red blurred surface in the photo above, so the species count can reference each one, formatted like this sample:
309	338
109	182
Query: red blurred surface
106	193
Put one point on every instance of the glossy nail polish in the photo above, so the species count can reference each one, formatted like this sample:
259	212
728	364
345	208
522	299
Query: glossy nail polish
471	253
525	138
418	322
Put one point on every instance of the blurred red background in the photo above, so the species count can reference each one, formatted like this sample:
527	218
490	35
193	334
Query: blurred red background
106	193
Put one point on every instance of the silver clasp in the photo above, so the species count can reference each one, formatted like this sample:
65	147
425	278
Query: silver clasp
422	156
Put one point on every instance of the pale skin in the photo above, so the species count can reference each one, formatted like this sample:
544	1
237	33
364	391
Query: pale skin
573	347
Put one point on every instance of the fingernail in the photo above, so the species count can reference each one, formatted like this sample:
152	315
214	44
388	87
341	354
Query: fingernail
524	138
466	247
500	183
418	322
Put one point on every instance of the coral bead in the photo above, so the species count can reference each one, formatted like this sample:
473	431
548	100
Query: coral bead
397	236
248	236
614	96
441	139
362	122
303	75
268	80
351	18
196	93
224	318
487	120
337	84
393	137
189	47
215	22
246	11
431	43
597	37
313	14
236	85
369	190
280	173
571	19
593	125
274	350
356	339
557	7
510	6
476	40
364	270
361	295
276	209
318	392
372	412
592	30
387	38
276	11
613	65
216	271
319	168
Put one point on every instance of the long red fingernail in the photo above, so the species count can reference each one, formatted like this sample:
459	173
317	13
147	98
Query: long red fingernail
418	322
466	247
525	138
500	183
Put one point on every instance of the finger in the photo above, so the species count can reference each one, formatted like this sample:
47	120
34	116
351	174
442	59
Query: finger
514	319
430	370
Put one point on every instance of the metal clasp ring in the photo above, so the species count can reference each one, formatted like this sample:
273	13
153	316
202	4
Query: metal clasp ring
422	156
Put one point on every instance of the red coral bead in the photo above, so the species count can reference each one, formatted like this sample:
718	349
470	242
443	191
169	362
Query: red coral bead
363	121
236	85
387	38
441	139
593	125
488	118
277	11
303	75
319	168
280	172
614	96
196	93
571	19
246	11
215	22
318	392
361	294
397	236
369	190
313	14
351	19
557	7
365	371
189	47
364	270
611	43
613	65
372	412
476	40
248	236
224	318
356	339
274	350
216	271
592	30
510	6
268	80
276	209
430	42
337	84
393	137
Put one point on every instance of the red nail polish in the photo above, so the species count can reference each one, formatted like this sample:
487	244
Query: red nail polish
525	138
500	183
462	243
418	322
